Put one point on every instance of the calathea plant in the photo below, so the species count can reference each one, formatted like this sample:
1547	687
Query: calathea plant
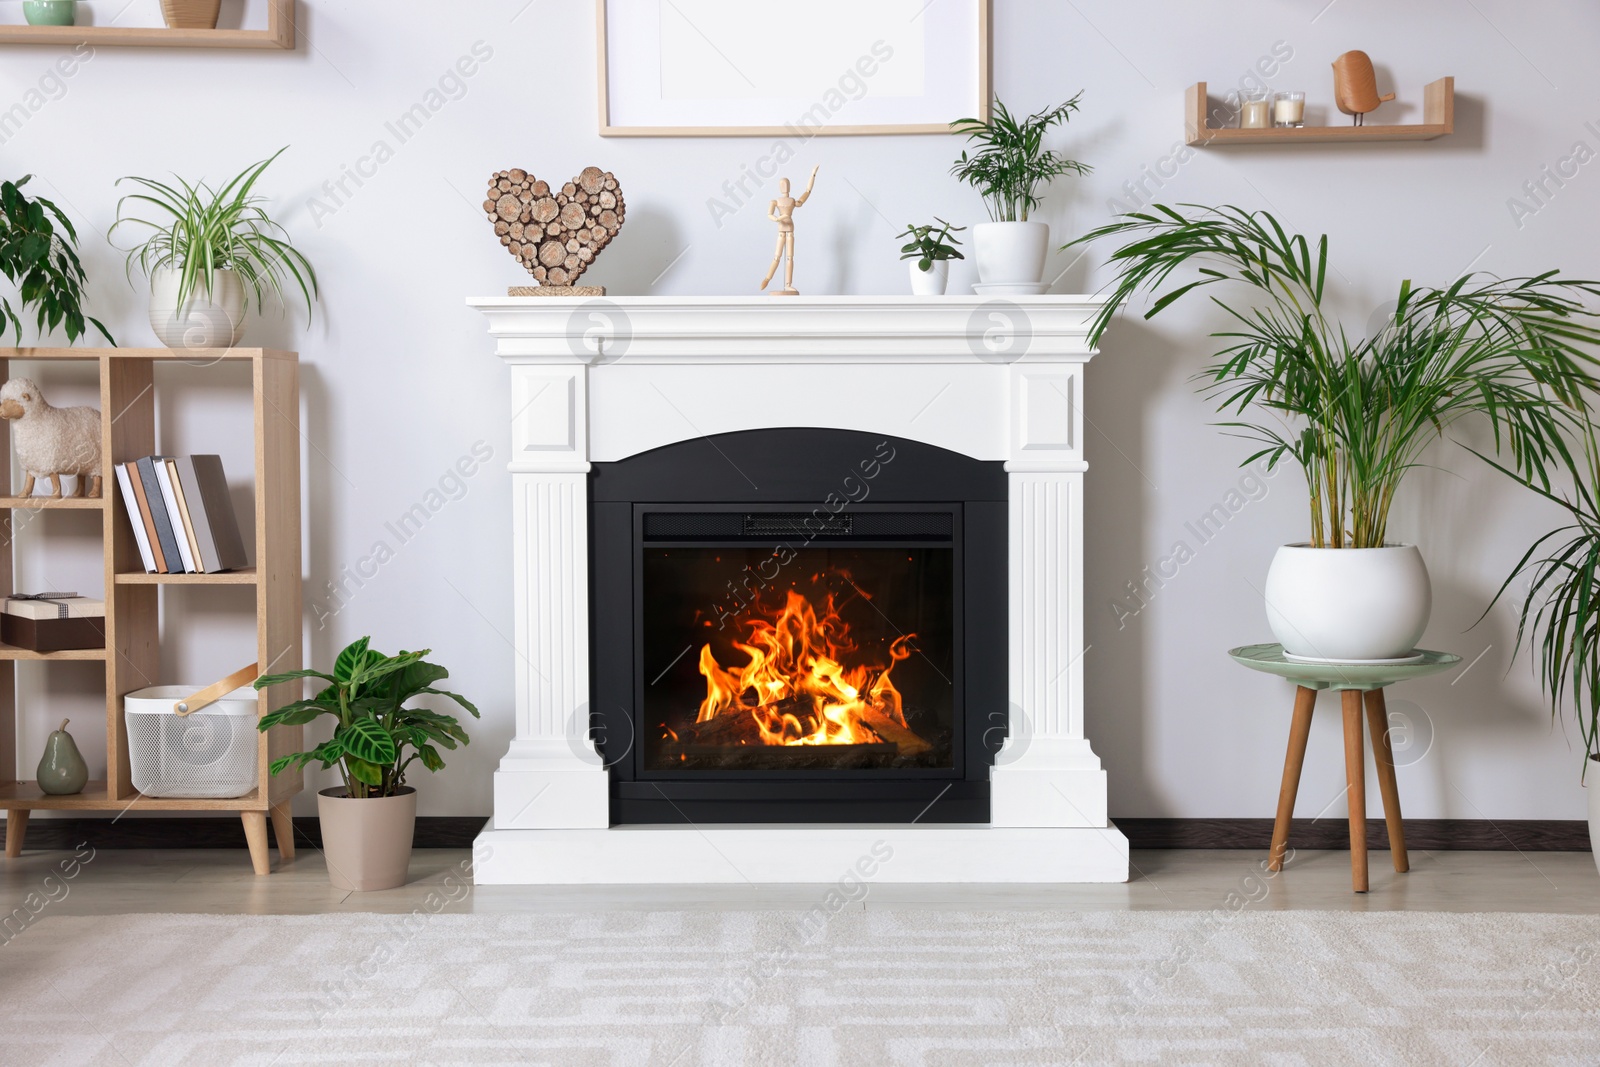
376	735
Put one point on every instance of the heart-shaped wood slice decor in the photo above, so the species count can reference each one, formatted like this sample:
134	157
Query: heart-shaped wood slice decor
555	233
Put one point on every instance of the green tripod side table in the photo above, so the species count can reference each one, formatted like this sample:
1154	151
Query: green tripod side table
1356	682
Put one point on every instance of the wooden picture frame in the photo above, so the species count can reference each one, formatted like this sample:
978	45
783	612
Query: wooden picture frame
939	35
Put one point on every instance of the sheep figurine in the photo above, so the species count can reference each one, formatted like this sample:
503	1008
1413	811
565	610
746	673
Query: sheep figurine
51	441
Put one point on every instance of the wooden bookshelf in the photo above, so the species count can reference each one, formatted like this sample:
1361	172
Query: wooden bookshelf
279	34
132	657
1438	119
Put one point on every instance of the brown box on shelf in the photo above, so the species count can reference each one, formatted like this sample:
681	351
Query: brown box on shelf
53	625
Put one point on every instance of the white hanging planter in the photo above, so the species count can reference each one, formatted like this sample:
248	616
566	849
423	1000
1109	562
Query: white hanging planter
1010	253
931	282
213	319
1349	605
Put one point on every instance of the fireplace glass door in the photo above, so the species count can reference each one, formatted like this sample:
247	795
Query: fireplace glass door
768	645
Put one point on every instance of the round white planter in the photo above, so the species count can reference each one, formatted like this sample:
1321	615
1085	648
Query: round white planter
931	282
1348	605
206	320
1010	252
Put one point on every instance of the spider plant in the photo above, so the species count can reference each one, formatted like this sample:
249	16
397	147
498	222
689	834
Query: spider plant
1009	162
1356	413
1561	601
43	263
197	231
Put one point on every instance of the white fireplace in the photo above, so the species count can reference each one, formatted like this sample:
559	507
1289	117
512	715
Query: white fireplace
602	380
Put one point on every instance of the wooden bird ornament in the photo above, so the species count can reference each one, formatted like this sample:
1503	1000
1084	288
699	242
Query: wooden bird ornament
1355	86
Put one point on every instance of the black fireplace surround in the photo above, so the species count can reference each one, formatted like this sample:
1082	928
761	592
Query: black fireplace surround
798	625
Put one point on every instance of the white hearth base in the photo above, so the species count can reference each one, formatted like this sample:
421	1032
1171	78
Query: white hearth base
765	855
596	381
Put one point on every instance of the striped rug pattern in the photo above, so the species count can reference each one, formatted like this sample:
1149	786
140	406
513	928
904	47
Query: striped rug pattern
921	988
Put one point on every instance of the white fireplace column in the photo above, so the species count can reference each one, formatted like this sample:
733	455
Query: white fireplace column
601	380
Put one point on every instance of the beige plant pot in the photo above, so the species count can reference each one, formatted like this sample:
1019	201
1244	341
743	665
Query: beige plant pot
1594	809
367	842
190	14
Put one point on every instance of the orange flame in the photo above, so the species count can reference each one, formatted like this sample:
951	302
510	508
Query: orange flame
797	685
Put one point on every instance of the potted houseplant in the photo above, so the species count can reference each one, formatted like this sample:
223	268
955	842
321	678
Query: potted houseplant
1356	412
367	822
207	252
930	251
1561	610
1007	162
38	253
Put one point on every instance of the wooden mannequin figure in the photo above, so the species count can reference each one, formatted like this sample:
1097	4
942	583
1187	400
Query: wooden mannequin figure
781	211
1355	86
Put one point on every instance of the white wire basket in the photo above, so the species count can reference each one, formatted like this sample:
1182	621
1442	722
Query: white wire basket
210	753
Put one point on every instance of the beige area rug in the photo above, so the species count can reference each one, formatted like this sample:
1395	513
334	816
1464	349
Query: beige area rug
893	987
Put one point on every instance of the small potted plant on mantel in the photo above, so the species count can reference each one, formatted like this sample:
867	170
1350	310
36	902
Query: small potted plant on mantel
368	822
1561	610
1009	164
1355	413
207	252
930	251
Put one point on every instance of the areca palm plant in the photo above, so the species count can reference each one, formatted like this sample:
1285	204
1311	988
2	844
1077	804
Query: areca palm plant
1356	412
1008	162
1560	607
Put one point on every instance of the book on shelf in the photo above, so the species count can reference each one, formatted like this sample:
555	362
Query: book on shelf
182	516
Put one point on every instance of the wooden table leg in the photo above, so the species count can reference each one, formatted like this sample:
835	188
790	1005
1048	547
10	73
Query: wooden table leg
16	829
1355	776
1305	702
255	834
283	829
1383	756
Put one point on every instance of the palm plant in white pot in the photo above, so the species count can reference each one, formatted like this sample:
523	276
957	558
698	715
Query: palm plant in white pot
1356	413
1008	163
207	251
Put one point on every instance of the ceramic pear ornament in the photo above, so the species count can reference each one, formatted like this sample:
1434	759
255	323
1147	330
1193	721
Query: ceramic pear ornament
62	771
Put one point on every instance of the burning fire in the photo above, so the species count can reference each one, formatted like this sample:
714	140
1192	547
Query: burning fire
797	686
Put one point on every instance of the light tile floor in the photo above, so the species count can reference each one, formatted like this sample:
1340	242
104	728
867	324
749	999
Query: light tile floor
220	881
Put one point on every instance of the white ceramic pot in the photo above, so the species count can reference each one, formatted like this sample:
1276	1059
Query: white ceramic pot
1348	605
1594	809
1011	252
930	282
367	842
212	319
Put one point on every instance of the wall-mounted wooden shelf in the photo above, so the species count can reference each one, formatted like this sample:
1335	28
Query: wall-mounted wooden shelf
53	503
278	34
1438	119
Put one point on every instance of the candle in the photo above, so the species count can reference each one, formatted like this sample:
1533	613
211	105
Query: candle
1253	113
1289	109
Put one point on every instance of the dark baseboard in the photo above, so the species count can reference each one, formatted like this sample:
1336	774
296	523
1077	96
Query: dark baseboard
433	831
1525	835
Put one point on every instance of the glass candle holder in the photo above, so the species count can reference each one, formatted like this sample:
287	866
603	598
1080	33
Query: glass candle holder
1255	111
1289	109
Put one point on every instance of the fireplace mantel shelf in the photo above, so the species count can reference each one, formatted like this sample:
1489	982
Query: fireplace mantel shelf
803	329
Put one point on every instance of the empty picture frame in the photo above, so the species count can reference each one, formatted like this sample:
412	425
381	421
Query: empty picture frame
711	68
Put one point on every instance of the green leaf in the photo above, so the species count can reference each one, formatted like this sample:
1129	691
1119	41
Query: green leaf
364	772
266	681
296	714
344	667
366	739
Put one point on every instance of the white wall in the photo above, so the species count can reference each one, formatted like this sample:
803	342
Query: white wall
399	381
